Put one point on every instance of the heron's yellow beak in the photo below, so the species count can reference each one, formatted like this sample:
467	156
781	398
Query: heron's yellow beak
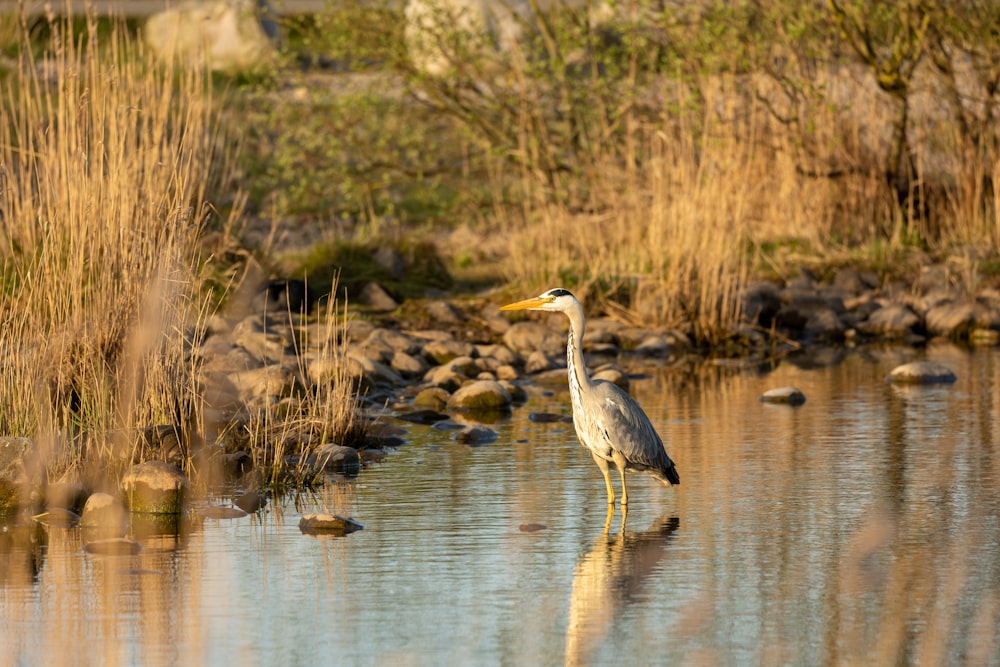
527	304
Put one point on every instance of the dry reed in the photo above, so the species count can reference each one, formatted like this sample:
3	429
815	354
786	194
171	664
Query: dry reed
106	163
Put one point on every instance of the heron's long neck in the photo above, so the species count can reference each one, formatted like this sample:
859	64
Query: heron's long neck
578	377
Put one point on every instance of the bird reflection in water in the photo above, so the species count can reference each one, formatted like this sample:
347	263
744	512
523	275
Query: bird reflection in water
608	578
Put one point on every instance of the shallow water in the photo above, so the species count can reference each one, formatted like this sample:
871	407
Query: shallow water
860	527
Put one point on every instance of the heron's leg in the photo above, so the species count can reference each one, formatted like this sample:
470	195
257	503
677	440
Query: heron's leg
619	460
603	465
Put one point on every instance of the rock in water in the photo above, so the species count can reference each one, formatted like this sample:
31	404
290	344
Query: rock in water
251	502
105	512
155	487
921	372
480	395
784	395
337	458
115	546
476	435
328	524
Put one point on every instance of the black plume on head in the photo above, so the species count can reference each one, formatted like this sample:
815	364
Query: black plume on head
559	291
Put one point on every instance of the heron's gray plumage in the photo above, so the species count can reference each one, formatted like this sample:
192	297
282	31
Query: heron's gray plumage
608	421
621	424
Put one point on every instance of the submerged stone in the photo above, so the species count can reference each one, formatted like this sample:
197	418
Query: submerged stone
784	396
328	524
476	435
251	501
426	417
531	527
222	512
921	372
548	417
57	517
337	458
114	546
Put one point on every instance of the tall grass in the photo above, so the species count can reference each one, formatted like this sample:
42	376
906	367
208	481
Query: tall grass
284	442
106	164
678	151
670	239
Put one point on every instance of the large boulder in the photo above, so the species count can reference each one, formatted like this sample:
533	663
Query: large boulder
226	35
443	36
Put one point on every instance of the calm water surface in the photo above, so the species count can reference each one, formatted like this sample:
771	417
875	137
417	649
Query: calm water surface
859	528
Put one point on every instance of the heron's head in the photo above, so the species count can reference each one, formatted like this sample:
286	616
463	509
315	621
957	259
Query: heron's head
556	300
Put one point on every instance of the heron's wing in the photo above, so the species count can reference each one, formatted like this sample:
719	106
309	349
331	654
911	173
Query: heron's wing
627	428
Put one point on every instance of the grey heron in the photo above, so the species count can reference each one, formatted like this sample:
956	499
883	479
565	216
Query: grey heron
608	421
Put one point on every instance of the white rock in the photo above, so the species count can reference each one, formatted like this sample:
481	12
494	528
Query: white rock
225	35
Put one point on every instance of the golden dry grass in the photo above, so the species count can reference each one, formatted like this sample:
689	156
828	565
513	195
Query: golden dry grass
109	160
756	141
721	196
106	163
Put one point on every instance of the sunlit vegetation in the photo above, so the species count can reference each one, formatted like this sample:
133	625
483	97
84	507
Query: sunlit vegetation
653	158
659	155
109	252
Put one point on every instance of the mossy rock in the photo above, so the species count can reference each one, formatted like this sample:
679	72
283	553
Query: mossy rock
155	487
8	497
354	265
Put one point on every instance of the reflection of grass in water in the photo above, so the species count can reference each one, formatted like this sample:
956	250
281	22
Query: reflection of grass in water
860	533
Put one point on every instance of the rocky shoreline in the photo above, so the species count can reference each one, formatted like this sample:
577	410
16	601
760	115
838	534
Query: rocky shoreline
470	365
